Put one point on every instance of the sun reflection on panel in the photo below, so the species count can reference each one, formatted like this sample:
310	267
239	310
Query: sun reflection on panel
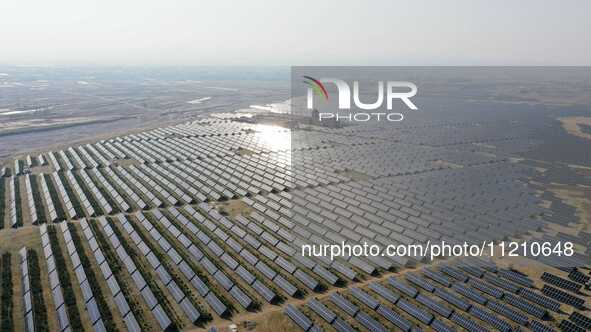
276	138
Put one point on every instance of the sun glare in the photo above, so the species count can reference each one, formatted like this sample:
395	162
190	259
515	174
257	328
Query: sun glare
274	138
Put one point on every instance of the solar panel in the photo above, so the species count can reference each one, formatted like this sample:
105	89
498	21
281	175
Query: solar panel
567	326
249	257
245	275
121	304
454	273
561	282
370	323
341	326
321	310
54	280
153	260
190	311
504	284
161	317
488	317
200	286
57	299
580	320
452	299
86	291
269	238
326	275
469	293
473	270
238	231
164	244
315	328
563	297
174	256
215	248
415	279
364	298
175	291
113	285
434	305
466	323
517	278
508	312
223	280
395	318
439	326
285	264
404	288
29	322
138	279
539	327
298	317
417	313
93	312
486	288
195	252
384	292
252	241
241	297
285	285
208	265
216	304
267	252
540	299
186	270
578	276
265	269
50	265
47	252
437	276
264	291
144	249
108	230
525	306
344	304
62	318
307	280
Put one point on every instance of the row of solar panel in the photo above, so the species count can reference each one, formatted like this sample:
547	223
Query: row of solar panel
255	205
88	296
215	223
268	188
30	200
199	258
123	206
69	207
12	206
137	276
476	297
446	312
105	207
110	279
163	271
54	281
561	282
29	319
79	193
52	214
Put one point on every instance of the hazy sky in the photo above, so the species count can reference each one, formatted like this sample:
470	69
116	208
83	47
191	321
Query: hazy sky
299	32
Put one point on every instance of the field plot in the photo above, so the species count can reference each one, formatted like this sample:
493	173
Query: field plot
201	224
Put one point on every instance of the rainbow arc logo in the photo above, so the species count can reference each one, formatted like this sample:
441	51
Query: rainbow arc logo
317	86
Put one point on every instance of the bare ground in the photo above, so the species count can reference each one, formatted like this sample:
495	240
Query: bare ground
571	125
